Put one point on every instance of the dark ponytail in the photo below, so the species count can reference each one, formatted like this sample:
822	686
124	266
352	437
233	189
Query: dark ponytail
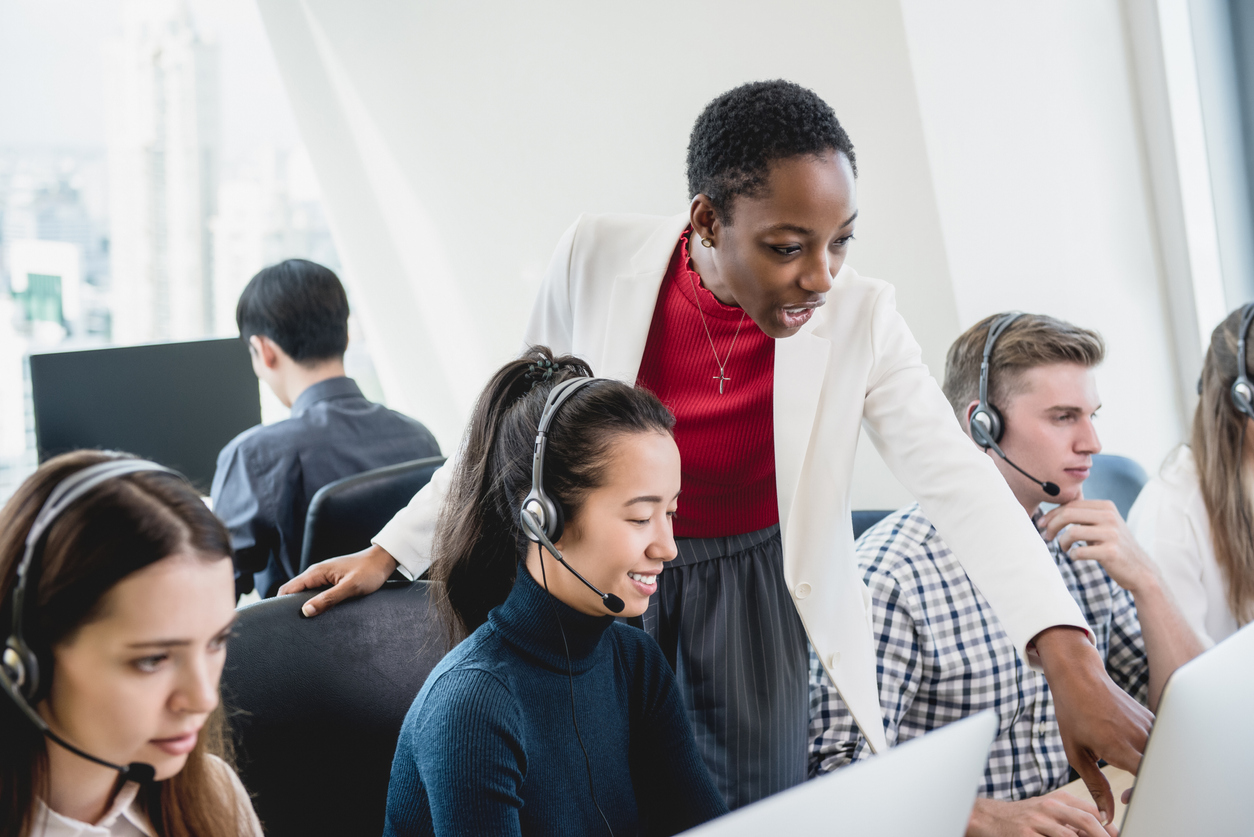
478	542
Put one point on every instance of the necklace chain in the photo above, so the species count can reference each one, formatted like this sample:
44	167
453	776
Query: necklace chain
722	365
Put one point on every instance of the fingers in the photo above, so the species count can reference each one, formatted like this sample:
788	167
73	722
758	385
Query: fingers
1091	512
327	599
1098	787
310	579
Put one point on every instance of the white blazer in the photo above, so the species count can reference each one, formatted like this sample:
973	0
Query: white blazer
854	364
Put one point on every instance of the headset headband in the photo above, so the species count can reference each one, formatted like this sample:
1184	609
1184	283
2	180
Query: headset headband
538	503
994	331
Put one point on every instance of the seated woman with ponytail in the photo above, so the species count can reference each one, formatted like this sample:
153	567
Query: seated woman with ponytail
549	716
117	594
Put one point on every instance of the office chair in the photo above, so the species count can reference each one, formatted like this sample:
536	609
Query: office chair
863	520
344	515
1115	478
315	705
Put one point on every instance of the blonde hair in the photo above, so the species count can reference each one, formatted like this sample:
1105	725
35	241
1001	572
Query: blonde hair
1030	341
1218	444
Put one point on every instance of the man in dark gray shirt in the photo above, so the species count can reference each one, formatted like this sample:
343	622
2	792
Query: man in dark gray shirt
294	317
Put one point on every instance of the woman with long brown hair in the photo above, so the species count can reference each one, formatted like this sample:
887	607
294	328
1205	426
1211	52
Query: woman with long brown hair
117	595
1195	518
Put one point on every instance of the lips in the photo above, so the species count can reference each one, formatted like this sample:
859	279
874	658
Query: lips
178	745
795	316
645	583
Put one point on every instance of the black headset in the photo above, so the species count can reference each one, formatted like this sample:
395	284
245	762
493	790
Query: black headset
1242	391
21	677
542	519
986	424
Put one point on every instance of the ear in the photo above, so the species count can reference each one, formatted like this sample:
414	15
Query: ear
265	350
704	219
966	425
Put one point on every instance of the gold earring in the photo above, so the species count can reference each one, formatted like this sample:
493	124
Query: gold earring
707	242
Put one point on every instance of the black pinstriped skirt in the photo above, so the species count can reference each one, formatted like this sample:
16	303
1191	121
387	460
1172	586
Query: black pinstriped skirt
727	624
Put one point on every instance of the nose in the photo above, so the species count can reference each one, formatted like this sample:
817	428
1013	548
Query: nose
819	271
1087	442
663	547
197	689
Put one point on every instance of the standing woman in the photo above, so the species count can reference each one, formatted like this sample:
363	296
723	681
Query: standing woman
741	314
551	717
118	597
1196	517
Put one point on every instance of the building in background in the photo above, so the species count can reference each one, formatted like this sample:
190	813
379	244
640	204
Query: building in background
163	174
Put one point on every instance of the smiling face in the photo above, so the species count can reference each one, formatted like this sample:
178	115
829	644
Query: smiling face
1049	431
138	683
778	256
622	535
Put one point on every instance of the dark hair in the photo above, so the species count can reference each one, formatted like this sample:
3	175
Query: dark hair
298	304
1030	341
122	526
742	132
478	542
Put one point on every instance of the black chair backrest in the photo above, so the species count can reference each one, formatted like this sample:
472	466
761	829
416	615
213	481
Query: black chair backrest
1115	478
344	515
863	520
316	704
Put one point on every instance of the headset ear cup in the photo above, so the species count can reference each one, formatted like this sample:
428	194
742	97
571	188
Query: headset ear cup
1241	397
559	521
986	425
21	666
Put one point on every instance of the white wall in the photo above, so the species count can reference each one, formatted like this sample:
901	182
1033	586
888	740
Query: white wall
1033	133
997	146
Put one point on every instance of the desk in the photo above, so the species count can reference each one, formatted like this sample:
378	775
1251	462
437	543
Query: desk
1120	780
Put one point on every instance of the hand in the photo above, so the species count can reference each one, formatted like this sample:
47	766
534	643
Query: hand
1096	718
1058	814
358	574
1107	540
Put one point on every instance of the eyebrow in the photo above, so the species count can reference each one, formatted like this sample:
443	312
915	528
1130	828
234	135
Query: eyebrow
1067	409
646	498
800	230
176	643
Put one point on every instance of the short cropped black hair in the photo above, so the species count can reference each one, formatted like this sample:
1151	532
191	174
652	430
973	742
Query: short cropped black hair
301	306
742	132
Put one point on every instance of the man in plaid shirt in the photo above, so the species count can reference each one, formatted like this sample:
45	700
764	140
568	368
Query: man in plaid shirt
942	652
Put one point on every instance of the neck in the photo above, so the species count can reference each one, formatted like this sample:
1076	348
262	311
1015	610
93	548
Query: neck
300	378
77	788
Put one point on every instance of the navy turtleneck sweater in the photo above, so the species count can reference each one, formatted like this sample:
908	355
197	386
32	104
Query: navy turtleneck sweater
488	746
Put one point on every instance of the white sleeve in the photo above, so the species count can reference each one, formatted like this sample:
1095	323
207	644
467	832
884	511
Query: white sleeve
914	429
408	535
1161	523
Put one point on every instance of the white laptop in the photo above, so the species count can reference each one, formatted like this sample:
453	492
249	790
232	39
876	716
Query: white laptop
1197	775
923	787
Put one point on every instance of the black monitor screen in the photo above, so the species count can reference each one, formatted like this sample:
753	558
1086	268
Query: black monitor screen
174	403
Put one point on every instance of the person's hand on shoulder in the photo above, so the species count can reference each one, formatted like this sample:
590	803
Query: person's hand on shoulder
1093	530
1058	814
348	576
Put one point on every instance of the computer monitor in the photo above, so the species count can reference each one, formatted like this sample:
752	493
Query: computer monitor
174	403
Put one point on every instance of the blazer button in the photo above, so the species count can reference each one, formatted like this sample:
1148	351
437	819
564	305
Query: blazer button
802	590
834	659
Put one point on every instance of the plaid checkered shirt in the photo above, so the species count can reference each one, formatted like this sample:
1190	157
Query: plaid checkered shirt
943	656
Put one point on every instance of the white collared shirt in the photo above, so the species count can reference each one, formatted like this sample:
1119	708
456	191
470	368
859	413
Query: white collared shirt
126	816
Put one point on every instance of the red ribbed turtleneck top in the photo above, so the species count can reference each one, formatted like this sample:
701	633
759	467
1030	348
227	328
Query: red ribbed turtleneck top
726	442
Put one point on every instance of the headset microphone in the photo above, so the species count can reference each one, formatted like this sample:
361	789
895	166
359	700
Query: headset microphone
1049	488
534	531
986	424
